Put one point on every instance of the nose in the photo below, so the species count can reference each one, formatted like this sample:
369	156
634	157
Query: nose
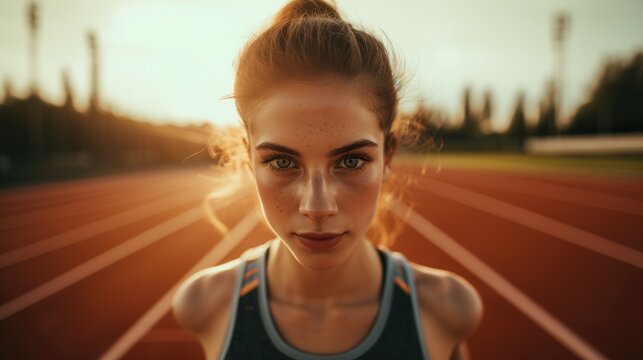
318	201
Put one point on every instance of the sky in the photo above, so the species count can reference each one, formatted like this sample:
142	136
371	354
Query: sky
172	60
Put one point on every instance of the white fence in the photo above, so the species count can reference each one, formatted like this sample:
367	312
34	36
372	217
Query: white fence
586	144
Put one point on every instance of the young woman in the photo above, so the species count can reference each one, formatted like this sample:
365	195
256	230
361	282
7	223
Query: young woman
318	102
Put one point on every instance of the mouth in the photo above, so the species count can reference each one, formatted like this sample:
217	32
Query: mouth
319	241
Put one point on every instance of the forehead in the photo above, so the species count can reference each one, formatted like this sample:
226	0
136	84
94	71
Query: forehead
314	115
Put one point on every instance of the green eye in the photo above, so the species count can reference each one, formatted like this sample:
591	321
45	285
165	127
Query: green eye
281	163
351	163
354	161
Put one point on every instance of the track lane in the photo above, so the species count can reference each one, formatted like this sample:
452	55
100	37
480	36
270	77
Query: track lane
504	333
615	226
93	312
536	220
581	287
18	237
625	186
143	325
17	200
573	195
80	232
167	340
590	293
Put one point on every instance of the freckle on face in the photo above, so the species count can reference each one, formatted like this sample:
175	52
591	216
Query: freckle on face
322	119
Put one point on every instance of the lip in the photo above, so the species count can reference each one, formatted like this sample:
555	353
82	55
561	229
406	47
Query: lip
320	235
319	241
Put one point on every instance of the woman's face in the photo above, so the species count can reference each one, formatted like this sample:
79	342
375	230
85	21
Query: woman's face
317	154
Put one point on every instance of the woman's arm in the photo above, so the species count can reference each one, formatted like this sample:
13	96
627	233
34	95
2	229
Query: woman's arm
451	309
201	305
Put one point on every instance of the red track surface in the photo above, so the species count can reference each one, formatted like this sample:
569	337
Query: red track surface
596	296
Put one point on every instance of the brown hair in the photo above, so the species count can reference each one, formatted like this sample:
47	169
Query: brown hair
309	38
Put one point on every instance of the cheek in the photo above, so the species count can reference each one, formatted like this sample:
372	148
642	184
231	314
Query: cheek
276	193
360	193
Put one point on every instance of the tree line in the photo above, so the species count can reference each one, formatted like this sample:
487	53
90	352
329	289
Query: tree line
33	131
614	105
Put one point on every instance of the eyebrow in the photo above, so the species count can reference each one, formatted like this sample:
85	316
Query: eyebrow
340	150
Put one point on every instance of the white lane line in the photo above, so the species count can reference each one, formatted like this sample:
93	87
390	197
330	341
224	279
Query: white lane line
38	192
535	221
556	192
501	285
162	306
20	199
84	205
103	260
98	227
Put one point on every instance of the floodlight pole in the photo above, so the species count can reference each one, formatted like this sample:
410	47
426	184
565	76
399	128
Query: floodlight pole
560	30
32	17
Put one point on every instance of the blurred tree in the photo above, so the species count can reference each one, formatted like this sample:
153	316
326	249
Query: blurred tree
584	121
616	102
69	93
471	122
546	125
8	91
517	126
487	111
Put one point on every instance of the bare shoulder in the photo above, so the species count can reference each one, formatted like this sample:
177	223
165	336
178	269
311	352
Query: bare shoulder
449	298
197	302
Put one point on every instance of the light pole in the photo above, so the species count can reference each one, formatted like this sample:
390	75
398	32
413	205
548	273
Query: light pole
33	28
34	112
560	30
94	102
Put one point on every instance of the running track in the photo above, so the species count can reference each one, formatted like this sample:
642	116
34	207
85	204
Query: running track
87	267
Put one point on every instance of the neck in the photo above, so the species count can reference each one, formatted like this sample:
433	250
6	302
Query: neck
356	280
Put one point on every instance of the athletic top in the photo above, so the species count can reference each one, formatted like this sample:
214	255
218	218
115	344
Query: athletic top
395	334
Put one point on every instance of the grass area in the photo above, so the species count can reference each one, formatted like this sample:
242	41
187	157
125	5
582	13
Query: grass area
604	165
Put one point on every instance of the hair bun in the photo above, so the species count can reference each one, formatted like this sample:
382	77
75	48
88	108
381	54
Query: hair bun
307	8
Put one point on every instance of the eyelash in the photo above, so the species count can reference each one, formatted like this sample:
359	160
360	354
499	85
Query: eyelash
275	156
